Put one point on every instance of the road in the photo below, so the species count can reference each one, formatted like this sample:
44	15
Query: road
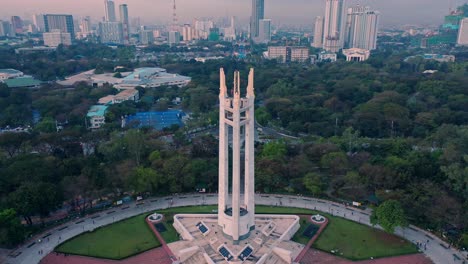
437	250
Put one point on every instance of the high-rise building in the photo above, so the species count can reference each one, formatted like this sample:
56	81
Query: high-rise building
174	37
62	22
202	28
318	32
110	11
38	21
333	26
264	33
125	22
56	37
361	28
236	215
187	33
111	32
146	37
17	24
258	13
85	26
5	29
463	32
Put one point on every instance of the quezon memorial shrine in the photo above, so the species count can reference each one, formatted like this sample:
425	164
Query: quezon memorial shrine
235	234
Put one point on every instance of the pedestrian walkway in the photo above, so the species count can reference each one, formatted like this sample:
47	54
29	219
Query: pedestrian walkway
312	240
161	240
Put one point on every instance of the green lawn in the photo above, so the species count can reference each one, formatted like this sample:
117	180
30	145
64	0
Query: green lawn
116	241
129	237
357	242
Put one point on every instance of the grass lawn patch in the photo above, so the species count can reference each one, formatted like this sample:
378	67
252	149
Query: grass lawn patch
357	242
116	241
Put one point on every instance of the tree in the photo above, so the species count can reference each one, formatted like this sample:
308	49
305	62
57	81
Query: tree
389	215
274	150
11	230
314	183
135	140
144	180
47	125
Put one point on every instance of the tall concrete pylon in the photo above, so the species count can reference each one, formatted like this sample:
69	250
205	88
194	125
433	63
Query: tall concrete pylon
236	216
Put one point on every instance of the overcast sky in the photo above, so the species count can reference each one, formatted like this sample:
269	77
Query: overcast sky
394	12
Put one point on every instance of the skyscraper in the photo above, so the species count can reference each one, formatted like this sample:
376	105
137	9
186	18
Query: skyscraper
318	32
258	12
38	21
463	32
85	25
264	32
5	29
174	37
111	32
333	26
236	216
110	10
17	24
361	28
62	22
187	32
125	23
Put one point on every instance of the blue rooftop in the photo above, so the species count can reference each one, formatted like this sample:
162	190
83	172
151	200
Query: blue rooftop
156	120
97	110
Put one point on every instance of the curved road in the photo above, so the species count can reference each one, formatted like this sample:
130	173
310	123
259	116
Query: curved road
437	250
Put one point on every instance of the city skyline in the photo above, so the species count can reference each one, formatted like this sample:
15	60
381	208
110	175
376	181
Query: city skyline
399	12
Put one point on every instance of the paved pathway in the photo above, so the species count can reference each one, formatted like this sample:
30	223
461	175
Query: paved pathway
311	241
161	240
436	249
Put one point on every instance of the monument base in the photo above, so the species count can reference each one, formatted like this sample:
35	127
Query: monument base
267	242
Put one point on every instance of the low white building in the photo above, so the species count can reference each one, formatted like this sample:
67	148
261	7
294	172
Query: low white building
56	37
125	95
152	78
326	56
10	74
97	116
355	54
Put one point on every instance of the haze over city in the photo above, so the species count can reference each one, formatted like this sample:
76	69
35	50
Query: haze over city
396	12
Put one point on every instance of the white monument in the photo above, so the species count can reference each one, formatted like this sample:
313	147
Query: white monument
235	234
236	216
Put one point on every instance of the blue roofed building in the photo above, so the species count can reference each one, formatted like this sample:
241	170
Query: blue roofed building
151	78
97	116
156	120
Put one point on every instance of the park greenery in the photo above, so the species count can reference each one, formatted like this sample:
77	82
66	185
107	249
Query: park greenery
368	132
128	237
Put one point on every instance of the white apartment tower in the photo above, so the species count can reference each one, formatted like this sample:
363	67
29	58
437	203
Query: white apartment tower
110	10
361	28
318	33
333	25
236	217
463	32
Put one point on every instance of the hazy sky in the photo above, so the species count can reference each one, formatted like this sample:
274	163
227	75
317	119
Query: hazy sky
284	11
